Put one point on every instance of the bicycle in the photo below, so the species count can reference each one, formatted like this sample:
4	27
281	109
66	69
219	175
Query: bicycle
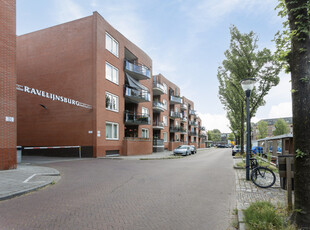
261	176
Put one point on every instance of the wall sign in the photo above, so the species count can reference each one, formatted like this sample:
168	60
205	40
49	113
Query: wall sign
51	96
9	119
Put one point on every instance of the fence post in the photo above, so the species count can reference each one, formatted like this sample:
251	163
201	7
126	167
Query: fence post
80	152
289	182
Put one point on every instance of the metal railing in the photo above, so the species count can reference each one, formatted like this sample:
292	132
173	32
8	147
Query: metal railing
191	133
193	123
138	94
174	114
158	85
158	124
138	119
183	106
157	104
138	68
192	112
176	99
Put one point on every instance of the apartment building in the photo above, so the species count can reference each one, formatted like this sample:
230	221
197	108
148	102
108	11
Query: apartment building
82	83
84	86
271	126
175	122
7	84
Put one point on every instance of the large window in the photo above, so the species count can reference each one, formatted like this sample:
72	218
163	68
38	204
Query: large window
111	73
165	137
165	88
165	120
111	44
111	131
145	133
111	102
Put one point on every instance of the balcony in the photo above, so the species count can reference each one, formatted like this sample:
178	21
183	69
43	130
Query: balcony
193	123
202	135
192	112
192	133
183	130
202	128
175	100
158	107
136	119
175	115
158	88
177	129
158	125
137	71
184	119
183	106
136	95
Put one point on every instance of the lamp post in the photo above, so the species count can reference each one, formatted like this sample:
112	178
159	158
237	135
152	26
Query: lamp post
248	85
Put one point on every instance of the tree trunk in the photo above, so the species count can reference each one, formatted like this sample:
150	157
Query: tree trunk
300	71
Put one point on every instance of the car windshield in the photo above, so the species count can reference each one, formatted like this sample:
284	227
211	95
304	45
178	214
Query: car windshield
182	147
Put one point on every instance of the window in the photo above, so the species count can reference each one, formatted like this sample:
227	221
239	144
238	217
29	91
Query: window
111	131
145	111
165	104
165	88
145	133
176	123
165	137
177	137
111	102
111	73
165	120
185	138
111	44
176	109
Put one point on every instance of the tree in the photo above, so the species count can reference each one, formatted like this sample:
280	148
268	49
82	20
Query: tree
244	60
280	127
293	45
231	137
262	127
214	135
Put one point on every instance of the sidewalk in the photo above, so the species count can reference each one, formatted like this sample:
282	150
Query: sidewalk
24	179
247	192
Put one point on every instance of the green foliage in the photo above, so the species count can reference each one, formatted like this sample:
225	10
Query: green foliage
262	216
281	127
214	135
231	137
300	154
262	127
244	60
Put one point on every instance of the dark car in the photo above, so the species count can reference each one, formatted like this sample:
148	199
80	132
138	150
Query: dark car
193	149
183	150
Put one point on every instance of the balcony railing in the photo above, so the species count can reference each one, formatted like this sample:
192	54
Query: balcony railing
192	112
135	95
202	128
158	142
174	114
158	88
192	133
202	135
184	119
138	71
158	125
158	106
177	129
136	119
193	123
184	106
175	100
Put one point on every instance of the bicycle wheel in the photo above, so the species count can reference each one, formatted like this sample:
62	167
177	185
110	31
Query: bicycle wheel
263	177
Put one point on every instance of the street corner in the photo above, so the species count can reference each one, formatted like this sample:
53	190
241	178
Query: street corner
26	178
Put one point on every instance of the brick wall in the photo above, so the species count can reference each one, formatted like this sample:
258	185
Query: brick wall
7	84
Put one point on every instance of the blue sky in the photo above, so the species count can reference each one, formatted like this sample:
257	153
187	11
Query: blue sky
186	40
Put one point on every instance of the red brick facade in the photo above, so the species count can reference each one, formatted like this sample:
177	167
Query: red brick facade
7	84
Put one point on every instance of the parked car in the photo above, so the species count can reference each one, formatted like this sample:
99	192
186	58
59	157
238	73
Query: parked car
236	149
193	149
183	150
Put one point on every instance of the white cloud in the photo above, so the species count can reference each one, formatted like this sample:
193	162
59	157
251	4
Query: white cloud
281	110
215	121
68	10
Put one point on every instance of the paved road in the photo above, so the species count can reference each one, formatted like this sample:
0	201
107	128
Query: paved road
196	192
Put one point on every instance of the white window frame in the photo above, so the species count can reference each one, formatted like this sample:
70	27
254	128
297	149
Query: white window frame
113	43
165	88
113	124
117	101
145	111
114	73
147	132
165	104
165	120
165	135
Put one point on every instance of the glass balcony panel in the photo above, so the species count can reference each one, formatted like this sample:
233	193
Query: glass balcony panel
175	100
136	95
138	71
136	119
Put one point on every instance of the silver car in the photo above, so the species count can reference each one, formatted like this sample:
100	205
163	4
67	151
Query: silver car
183	150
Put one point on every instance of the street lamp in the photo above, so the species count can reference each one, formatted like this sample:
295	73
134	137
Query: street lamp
248	85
